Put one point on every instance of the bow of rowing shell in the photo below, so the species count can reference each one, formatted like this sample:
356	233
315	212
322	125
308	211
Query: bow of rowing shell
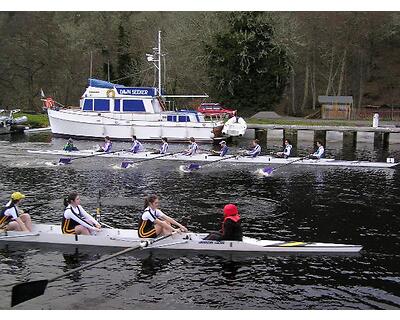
51	234
261	160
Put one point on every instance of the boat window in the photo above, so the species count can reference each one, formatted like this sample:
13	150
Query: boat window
101	105
88	105
171	118
117	104
133	105
183	119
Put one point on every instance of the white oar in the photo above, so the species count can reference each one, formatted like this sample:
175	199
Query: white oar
96	154
127	164
267	171
194	166
28	290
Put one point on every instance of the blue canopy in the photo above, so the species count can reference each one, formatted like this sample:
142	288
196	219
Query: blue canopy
103	84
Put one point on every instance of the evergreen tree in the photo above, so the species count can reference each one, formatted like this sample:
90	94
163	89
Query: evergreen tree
247	70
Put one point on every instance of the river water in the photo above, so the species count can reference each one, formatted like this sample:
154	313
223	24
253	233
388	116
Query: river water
358	206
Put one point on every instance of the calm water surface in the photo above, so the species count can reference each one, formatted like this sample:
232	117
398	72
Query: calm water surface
359	206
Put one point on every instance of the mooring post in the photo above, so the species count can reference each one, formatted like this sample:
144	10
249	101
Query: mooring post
261	135
350	139
378	137
320	135
386	140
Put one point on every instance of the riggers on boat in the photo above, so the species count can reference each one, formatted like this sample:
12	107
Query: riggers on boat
260	160
125	238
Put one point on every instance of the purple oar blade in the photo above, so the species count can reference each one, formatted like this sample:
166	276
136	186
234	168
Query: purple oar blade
126	164
193	166
64	161
268	170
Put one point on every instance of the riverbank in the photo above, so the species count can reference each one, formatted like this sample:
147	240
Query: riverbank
39	120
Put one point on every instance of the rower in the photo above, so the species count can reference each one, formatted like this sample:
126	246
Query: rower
320	153
163	147
13	218
136	145
256	149
70	146
231	228
286	151
75	219
153	222
223	151
107	145
192	148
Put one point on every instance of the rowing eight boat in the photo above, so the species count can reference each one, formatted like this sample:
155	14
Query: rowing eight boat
125	238
260	160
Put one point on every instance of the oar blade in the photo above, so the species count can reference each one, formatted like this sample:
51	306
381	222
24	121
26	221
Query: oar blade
64	161
26	291
126	164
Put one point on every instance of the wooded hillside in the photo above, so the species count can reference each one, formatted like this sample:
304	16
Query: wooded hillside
250	61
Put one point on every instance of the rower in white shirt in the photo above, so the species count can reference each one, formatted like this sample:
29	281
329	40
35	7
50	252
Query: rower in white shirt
136	145
107	145
153	222
256	149
191	151
286	153
75	219
163	147
320	153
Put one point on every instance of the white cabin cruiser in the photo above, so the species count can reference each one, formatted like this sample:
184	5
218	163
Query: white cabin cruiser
108	109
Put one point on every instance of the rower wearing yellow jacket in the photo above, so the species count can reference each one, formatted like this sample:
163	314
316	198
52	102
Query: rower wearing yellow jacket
13	218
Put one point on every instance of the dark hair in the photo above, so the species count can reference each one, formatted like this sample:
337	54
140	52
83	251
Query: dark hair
256	141
288	141
134	137
192	139
149	199
318	141
164	139
71	197
107	137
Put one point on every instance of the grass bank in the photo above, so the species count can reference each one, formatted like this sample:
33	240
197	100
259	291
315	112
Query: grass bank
39	120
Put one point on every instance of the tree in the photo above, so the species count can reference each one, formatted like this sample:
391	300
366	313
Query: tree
247	70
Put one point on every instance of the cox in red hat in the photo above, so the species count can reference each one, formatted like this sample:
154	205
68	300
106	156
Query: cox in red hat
230	210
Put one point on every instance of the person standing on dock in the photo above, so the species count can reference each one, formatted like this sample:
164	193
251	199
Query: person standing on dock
231	227
75	219
136	145
153	222
191	151
107	145
223	151
70	146
256	149
13	218
320	153
286	153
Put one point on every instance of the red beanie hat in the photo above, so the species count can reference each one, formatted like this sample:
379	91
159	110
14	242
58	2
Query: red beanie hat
230	210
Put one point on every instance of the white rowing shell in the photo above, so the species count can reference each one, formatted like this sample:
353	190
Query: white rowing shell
125	238
260	160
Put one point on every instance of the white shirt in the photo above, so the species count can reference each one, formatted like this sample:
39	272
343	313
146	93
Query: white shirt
11	212
164	148
136	146
149	214
192	149
68	214
287	150
320	152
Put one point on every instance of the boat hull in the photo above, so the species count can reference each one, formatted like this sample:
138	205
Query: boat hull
75	123
261	160
125	238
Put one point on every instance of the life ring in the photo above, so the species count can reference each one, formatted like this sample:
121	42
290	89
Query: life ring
110	93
